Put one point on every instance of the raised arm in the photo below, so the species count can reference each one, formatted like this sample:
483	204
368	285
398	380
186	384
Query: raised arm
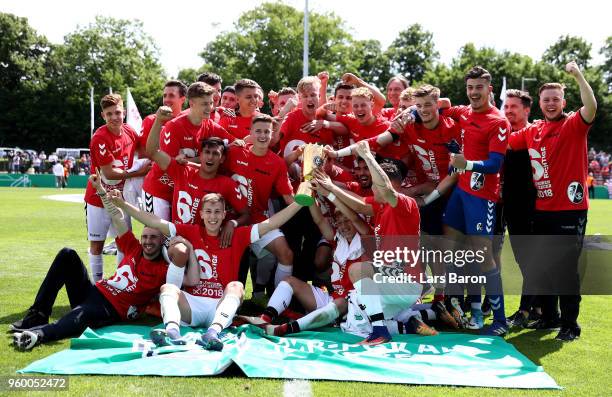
279	219
379	98
362	227
323	78
143	217
317	217
163	114
589	103
379	178
116	215
353	202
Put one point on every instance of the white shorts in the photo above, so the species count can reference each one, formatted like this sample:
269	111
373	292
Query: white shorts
156	205
99	223
321	297
258	247
202	310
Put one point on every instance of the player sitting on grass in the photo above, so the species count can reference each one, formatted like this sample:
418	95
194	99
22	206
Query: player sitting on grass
119	298
214	300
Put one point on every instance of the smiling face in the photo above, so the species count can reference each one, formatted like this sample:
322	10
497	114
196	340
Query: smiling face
478	92
394	89
515	112
212	214
229	100
343	101
427	107
309	98
552	103
344	226
113	116
261	134
172	97
211	158
248	100
151	241
202	106
362	109
362	174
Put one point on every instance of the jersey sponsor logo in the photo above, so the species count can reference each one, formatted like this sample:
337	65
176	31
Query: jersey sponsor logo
208	264
244	188
502	134
188	152
477	181
194	187
112	182
124	279
102	147
188	138
541	180
186	207
575	192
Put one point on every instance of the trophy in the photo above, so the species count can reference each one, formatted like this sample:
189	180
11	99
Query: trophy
313	158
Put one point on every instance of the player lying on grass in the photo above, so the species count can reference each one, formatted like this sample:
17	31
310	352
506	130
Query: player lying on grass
213	301
122	297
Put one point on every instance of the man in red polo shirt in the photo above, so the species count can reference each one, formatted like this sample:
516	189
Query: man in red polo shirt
557	147
239	125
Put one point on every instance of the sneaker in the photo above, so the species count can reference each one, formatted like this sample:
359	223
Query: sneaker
33	318
518	319
160	338
416	326
568	334
546	324
454	308
379	335
258	321
110	249
486	307
498	328
276	330
476	320
533	318
210	341
443	315
26	340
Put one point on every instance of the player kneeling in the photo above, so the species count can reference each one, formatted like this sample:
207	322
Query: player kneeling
214	299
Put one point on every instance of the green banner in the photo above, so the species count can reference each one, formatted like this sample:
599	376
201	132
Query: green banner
40	180
329	354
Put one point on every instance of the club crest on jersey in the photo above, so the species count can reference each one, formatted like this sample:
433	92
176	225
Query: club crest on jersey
575	192
132	312
477	181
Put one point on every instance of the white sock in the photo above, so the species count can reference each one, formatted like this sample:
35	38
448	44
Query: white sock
282	272
319	318
171	315
225	312
281	297
174	275
405	315
96	265
120	257
370	297
265	266
476	305
431	315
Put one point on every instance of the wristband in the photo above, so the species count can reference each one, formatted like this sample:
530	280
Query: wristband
431	196
344	152
234	222
331	197
326	124
469	165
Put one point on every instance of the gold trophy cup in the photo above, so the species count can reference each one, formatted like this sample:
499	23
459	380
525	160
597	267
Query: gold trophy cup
313	158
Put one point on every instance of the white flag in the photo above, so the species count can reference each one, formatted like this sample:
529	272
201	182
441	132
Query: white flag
133	116
502	95
91	105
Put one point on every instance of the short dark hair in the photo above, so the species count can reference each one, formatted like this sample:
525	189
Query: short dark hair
478	72
199	90
182	88
427	90
210	78
552	86
229	88
524	96
404	81
262	118
343	86
110	100
392	171
245	83
287	91
214	141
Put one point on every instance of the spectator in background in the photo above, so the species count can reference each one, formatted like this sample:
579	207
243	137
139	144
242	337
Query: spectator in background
53	158
43	158
16	166
58	171
36	165
590	181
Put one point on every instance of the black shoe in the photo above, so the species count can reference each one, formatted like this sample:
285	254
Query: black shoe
568	334
32	319
533	318
550	325
518	319
486	307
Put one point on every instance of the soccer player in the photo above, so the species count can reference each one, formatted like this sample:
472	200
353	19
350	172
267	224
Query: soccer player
215	81
214	300
119	298
191	183
557	147
180	140
248	102
395	86
112	150
228	98
397	222
259	172
471	207
280	99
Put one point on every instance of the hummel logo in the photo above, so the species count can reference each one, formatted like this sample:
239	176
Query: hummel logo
502	131
167	141
501	137
102	148
167	134
242	163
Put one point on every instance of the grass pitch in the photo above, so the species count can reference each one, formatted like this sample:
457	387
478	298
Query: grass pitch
33	229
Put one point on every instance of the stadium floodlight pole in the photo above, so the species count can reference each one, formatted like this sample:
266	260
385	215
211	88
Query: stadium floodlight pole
524	79
91	106
305	59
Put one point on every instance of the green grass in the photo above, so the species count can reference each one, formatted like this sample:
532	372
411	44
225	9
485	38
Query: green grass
33	229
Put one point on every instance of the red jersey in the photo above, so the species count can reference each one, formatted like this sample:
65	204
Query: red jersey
257	176
558	152
356	188
214	116
107	148
190	188
238	126
136	281
292	137
211	129
430	146
147	124
179	136
481	134
360	131
218	266
388	113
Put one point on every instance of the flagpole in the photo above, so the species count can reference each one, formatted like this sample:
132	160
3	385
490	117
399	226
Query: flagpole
305	58
91	106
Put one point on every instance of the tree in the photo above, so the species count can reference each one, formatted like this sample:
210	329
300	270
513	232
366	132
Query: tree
266	45
412	53
606	51
369	62
568	48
